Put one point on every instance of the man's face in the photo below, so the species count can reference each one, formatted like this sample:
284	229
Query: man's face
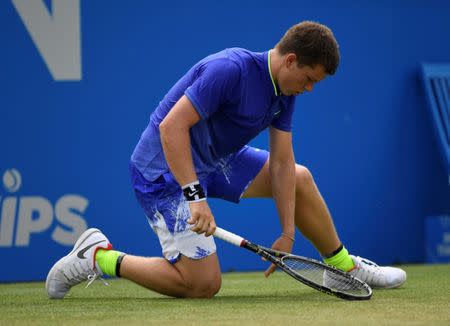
294	79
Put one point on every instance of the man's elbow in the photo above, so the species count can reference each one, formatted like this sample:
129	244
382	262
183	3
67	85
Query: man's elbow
170	129
166	128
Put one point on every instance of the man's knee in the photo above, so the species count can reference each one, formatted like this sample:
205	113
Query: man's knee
205	287
201	278
304	178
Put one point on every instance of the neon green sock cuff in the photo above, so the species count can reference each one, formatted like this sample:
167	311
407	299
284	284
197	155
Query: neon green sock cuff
341	260
107	261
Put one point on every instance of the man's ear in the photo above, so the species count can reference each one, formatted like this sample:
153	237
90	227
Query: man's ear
291	58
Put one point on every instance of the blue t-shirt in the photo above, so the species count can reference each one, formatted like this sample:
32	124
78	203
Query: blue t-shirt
234	95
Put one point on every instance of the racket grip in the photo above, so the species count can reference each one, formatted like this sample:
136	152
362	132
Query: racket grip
228	236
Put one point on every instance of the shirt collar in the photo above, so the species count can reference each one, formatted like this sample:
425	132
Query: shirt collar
275	89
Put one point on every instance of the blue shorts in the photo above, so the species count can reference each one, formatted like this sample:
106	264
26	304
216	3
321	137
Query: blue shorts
167	210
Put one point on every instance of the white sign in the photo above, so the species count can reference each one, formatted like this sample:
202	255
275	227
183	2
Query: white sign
34	214
56	35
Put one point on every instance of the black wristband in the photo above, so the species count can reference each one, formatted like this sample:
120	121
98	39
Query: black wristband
193	192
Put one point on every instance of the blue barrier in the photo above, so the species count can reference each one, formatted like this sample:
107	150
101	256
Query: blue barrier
437	239
436	79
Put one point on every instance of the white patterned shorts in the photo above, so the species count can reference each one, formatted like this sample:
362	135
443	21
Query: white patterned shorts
168	212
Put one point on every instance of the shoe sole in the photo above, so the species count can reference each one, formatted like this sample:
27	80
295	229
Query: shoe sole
86	234
390	287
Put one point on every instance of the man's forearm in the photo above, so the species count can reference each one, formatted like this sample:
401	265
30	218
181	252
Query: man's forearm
283	190
177	151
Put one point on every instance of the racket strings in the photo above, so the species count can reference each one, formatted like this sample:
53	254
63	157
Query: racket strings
327	277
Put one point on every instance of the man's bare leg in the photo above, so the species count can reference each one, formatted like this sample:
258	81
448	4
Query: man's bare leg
186	278
312	217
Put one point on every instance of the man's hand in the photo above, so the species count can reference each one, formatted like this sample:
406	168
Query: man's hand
281	244
202	218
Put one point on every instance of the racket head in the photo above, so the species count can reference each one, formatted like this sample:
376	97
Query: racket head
325	278
314	273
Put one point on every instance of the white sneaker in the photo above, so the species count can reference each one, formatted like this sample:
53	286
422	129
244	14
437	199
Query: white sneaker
377	276
78	266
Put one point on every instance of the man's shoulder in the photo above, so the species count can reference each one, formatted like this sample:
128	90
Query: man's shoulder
221	63
238	57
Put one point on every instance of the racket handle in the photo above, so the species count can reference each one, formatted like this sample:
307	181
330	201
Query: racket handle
228	236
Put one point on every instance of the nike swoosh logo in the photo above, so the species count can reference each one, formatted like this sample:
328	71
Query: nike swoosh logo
82	251
192	194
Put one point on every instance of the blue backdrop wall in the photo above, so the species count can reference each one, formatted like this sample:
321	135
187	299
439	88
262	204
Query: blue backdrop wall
78	80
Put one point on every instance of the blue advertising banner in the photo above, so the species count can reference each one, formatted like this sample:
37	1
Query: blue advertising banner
79	80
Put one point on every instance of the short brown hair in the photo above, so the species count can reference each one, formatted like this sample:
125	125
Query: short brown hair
313	43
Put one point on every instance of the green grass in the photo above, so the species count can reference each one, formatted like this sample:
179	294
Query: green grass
245	299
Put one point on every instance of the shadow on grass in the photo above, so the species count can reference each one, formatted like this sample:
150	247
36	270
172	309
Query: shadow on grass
232	298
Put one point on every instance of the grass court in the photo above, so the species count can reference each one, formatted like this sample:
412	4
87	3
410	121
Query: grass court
245	299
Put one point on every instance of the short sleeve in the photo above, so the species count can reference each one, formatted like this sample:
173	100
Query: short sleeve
217	83
284	120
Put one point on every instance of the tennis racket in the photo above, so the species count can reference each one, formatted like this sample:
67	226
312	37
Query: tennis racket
313	273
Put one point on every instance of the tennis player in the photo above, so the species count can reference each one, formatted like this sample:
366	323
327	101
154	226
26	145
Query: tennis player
195	148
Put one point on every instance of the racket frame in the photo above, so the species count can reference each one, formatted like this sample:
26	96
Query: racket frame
276	257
